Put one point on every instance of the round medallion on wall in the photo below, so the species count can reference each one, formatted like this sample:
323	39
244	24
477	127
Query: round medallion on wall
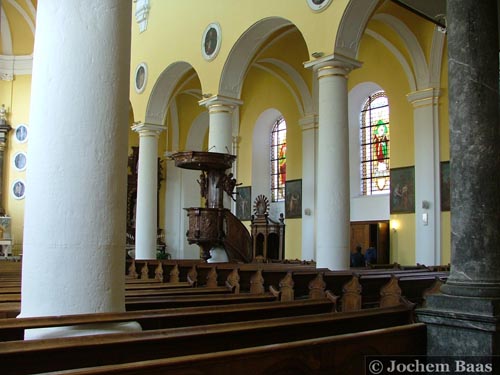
21	133
20	161
18	189
141	77
211	41
318	5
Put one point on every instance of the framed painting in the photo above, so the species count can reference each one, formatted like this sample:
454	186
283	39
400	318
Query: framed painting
445	185
21	133
141	77
20	161
293	199
244	203
318	5
210	42
402	190
18	189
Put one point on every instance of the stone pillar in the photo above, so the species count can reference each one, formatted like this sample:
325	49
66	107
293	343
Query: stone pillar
309	125
333	199
220	133
427	178
74	229
463	320
146	218
4	130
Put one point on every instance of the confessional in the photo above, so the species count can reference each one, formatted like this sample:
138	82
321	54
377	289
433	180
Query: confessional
268	236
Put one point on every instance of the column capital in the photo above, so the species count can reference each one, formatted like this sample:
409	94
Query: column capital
333	61
423	98
219	103
309	122
145	129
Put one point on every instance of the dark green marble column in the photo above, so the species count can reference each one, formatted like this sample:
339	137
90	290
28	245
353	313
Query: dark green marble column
463	319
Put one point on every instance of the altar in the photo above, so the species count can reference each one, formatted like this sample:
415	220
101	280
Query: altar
6	247
5	236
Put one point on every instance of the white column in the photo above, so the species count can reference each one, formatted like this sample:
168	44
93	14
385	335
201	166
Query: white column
220	133
332	199
427	179
146	219
74	229
309	125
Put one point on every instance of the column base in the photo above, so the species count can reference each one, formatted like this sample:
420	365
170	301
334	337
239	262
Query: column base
81	330
461	326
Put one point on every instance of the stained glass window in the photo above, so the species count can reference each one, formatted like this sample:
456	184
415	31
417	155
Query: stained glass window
278	160
375	146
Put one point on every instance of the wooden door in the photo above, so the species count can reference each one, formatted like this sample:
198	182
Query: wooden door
360	235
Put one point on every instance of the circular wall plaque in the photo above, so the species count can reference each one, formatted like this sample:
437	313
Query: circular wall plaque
211	41
21	133
141	77
18	189
318	5
20	161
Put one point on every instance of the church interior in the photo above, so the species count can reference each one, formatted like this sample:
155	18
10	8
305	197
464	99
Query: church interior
224	161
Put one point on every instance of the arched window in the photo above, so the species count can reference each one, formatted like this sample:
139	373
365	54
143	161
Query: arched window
375	149
278	160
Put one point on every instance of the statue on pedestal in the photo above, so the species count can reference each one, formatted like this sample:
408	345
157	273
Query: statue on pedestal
3	115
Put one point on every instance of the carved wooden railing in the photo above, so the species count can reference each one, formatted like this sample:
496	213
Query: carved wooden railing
237	240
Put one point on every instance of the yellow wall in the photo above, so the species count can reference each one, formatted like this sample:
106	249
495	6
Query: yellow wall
16	96
403	239
170	39
21	34
259	90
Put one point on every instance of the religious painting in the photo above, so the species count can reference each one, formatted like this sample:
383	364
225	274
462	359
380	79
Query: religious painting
244	203
293	199
318	5
402	198
141	74
18	189
20	161
445	185
21	133
211	40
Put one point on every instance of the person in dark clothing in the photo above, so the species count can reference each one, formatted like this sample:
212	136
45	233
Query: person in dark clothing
371	256
357	258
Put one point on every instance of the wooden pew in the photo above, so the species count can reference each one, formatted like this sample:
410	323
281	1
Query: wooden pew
133	295
13	309
13	329
148	303
85	351
302	284
325	355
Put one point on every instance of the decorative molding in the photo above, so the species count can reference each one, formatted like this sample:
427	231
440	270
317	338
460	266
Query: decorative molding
220	99
423	98
309	122
142	14
15	65
335	60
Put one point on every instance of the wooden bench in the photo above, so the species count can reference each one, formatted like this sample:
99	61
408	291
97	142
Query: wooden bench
85	351
340	354
148	303
13	329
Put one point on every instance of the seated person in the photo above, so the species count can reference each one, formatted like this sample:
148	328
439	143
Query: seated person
357	258
371	256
